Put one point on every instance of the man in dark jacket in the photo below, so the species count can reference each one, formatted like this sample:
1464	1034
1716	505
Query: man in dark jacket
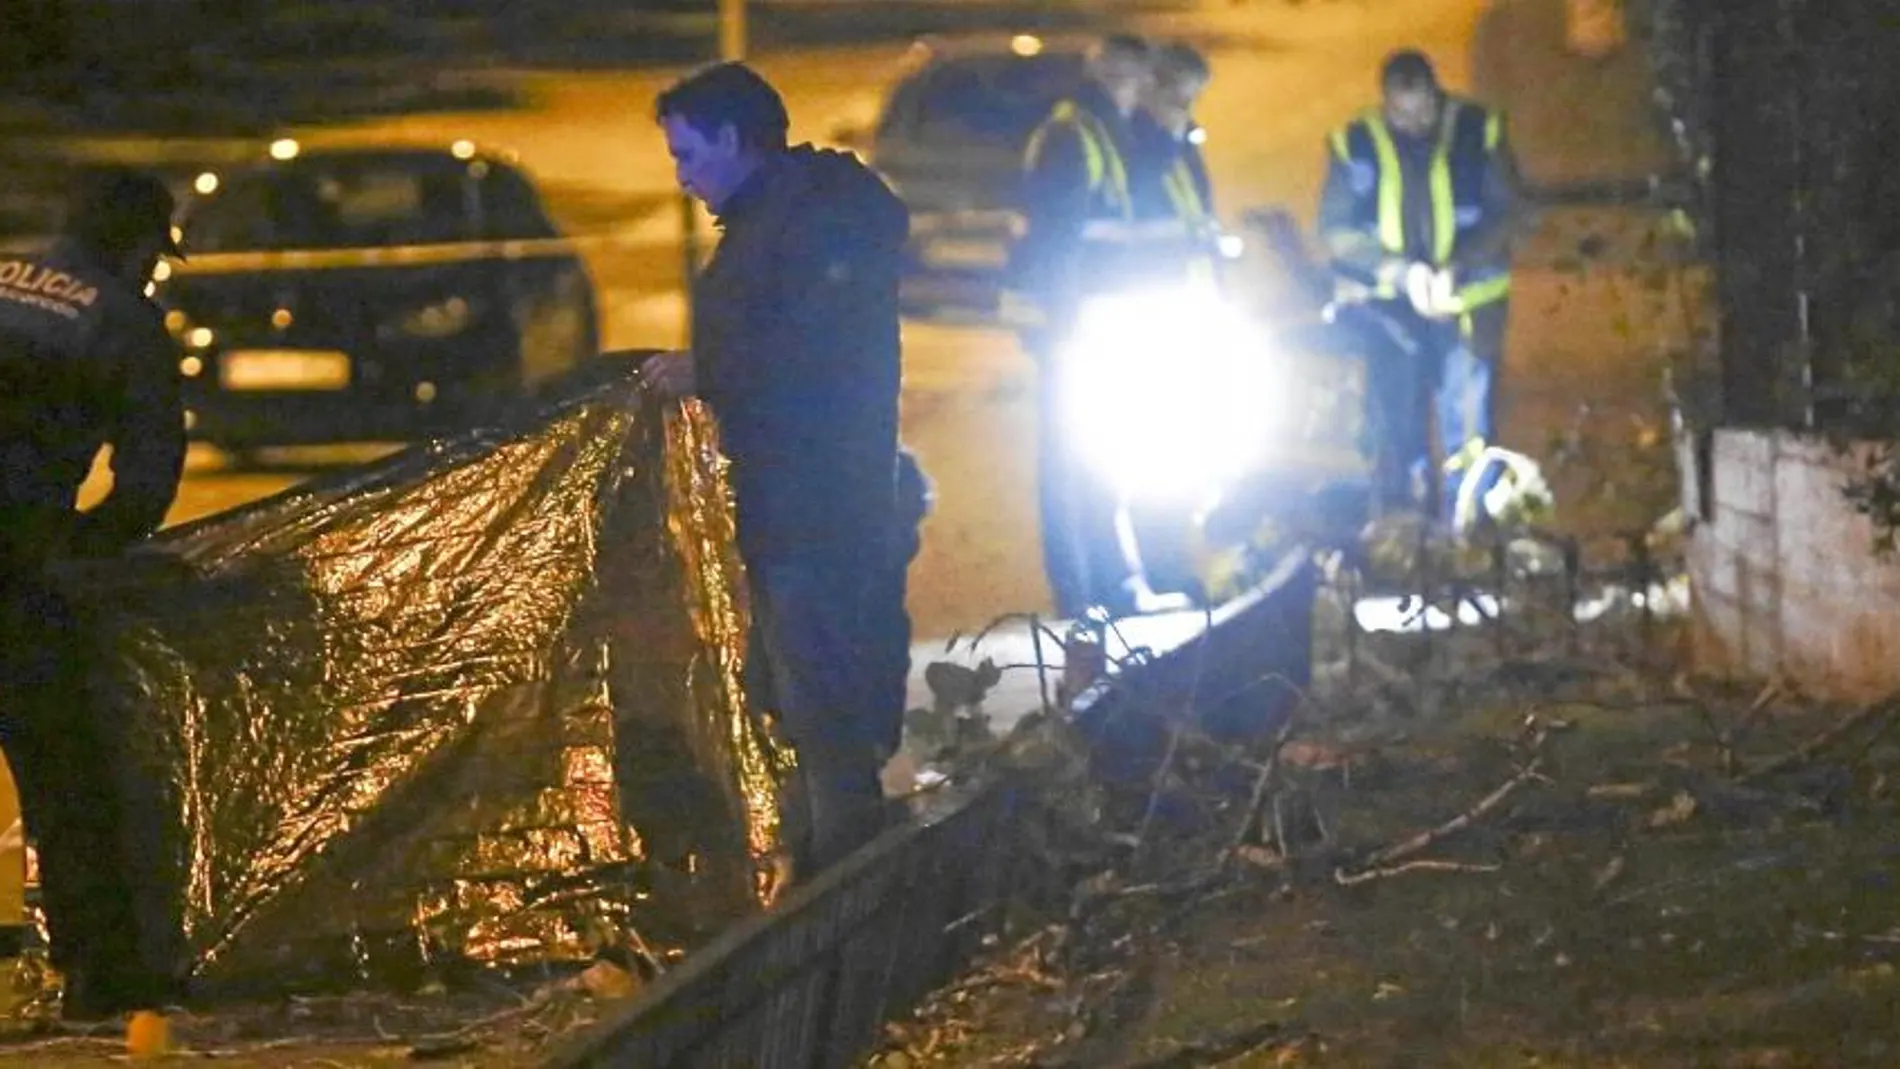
795	348
84	361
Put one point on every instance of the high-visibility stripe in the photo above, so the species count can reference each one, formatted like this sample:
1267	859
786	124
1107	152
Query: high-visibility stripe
1116	169
1185	194
1478	294
1064	114
1443	197
1444	202
1391	186
227	263
1102	159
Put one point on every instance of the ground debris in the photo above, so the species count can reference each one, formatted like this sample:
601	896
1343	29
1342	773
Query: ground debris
484	1024
1281	902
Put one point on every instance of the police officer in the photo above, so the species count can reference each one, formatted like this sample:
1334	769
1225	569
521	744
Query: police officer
85	361
1417	214
1079	236
1170	179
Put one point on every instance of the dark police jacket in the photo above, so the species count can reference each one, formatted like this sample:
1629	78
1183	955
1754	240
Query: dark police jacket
795	342
84	360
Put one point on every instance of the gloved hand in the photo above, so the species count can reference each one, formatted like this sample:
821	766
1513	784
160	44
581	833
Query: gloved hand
1432	292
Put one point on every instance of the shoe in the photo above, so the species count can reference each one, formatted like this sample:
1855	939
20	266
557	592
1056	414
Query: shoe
92	996
1142	600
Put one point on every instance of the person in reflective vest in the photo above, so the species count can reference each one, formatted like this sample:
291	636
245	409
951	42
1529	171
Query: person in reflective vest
1169	177
1417	215
1078	236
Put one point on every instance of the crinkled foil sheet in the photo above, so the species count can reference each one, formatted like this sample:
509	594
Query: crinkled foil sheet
478	704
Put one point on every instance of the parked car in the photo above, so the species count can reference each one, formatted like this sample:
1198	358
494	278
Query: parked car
380	294
950	140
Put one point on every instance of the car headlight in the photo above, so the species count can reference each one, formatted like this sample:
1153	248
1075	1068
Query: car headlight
1168	394
441	319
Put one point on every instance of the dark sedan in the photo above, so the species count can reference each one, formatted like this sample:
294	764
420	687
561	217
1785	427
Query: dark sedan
950	140
355	295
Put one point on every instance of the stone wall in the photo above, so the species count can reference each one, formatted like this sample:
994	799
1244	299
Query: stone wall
1784	575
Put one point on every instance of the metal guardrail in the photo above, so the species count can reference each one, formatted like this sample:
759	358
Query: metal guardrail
810	985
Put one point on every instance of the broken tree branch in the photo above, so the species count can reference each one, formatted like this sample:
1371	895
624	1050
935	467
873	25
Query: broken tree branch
1220	1051
1386	872
1426	839
1160	784
1808	750
1268	773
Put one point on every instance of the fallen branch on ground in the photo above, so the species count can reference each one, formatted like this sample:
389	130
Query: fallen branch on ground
1808	750
1381	863
1426	839
1218	1052
1250	818
1726	736
1159	786
1345	879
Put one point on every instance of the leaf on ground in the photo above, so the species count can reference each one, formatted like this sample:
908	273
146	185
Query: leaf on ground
1608	874
1679	810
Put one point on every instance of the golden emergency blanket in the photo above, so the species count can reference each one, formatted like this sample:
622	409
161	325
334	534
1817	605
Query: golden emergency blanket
478	704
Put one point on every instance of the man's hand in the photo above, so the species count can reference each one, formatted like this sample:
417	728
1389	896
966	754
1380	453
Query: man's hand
670	374
1432	292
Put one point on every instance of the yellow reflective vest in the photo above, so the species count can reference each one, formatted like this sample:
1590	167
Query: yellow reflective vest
1468	137
1107	170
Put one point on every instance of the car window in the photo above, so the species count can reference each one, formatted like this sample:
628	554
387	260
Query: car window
991	101
335	205
238	219
511	210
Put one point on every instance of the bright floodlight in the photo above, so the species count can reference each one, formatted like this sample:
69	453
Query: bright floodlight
1168	393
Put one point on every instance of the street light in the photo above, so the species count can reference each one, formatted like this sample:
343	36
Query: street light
732	30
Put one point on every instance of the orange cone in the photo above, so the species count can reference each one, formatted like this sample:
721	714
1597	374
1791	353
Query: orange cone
148	1035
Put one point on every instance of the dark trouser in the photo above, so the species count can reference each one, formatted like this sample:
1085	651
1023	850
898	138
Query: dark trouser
888	633
70	780
1081	554
887	619
1421	372
815	660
